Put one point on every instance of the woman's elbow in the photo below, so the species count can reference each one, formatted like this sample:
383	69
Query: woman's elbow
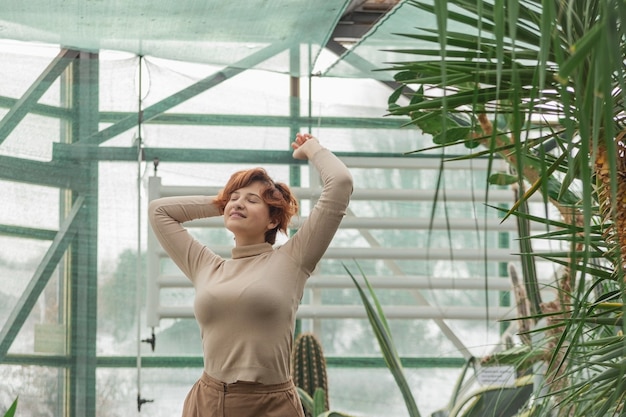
346	182
153	208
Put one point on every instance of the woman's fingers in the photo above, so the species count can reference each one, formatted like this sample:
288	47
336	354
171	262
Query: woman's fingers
297	140
301	138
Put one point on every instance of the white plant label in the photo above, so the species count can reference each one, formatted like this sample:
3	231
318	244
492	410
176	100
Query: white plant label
503	376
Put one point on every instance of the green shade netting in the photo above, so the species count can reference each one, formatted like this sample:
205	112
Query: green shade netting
212	32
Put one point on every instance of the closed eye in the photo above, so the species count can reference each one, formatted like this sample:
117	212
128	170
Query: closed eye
250	198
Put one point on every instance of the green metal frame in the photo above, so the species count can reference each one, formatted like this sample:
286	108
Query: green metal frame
61	242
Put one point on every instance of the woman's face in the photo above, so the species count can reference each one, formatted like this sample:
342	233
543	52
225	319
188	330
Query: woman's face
247	215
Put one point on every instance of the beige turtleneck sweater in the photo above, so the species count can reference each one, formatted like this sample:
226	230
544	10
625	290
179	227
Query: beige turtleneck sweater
246	306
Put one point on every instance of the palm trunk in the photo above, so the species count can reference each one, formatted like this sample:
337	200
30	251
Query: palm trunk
613	212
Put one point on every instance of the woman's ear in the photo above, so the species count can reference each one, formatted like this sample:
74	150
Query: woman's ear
272	225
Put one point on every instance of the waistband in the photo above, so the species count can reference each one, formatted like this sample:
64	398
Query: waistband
245	387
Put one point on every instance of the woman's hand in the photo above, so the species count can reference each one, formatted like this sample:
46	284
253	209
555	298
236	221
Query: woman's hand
304	152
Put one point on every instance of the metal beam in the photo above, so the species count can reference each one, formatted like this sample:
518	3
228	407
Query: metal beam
38	108
397	282
391	223
332	361
34	93
238	120
375	194
326	311
194	119
50	174
42	275
27	232
82	273
103	153
186	93
173	362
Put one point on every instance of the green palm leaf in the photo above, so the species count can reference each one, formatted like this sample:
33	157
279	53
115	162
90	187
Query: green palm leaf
382	331
11	411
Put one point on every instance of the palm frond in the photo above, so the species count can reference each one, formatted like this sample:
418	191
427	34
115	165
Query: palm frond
382	331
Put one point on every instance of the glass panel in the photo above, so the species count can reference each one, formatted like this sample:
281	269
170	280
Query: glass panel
373	392
39	390
164	388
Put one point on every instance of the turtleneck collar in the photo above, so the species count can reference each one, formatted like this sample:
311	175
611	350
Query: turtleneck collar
250	250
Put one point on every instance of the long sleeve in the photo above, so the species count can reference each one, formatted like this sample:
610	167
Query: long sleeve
313	238
166	217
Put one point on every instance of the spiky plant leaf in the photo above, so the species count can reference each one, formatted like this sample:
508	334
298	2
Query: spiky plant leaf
381	329
11	411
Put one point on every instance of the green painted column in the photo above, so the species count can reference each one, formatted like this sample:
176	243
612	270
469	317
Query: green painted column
82	273
294	127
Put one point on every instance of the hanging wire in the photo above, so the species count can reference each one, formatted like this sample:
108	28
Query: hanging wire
139	272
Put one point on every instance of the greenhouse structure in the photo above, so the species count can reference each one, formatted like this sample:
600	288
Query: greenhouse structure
428	301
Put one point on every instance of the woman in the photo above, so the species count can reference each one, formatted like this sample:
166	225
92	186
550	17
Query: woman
245	306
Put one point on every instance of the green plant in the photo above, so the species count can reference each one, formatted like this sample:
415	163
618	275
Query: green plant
316	405
540	85
309	367
11	411
378	321
494	400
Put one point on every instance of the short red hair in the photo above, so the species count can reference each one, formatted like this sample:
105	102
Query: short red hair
282	203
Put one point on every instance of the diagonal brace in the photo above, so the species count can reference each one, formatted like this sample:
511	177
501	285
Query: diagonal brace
41	277
34	93
185	94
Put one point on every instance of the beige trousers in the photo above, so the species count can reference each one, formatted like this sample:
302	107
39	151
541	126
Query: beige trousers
212	398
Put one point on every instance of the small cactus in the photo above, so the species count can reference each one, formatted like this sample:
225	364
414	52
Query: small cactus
309	366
